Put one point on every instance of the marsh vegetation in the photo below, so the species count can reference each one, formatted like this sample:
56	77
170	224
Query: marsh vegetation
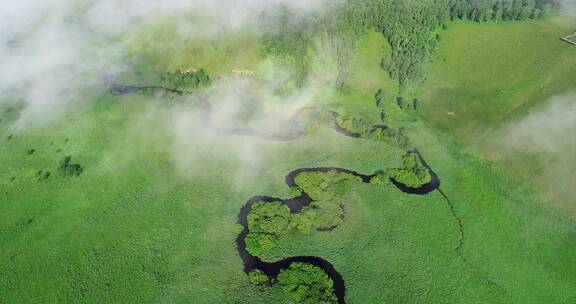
298	181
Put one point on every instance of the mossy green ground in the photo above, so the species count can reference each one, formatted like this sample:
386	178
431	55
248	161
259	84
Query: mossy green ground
485	76
152	217
490	72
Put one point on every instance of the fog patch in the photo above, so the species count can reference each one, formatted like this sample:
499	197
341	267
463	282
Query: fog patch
542	146
549	131
235	103
59	53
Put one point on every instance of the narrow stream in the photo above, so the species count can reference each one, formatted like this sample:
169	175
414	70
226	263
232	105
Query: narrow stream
296	204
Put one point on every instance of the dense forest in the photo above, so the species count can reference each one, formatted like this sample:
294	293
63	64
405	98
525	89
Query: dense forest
409	26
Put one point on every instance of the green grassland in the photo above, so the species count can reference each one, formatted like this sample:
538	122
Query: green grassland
366	76
152	217
166	46
490	72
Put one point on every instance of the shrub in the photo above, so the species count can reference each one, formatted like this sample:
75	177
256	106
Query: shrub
186	80
268	222
386	63
380	178
356	125
400	101
41	175
414	174
258	277
324	215
416	104
395	137
67	169
307	284
329	186
379	97
312	121
327	190
384	117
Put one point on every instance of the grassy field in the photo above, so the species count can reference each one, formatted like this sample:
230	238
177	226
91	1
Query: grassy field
366	76
488	73
486	76
152	218
167	45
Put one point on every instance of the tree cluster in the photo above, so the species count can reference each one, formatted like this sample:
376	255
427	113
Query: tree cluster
269	222
186	80
391	136
327	190
307	284
259	278
312	121
325	186
408	25
380	96
355	125
414	174
381	177
68	169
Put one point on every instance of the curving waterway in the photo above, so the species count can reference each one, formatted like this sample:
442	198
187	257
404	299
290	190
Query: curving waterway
294	133
296	204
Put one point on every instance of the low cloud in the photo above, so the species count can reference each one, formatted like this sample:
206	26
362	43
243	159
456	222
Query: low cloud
53	53
542	146
549	131
239	102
